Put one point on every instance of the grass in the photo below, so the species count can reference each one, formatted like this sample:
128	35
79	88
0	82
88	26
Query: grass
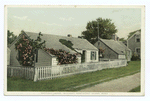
61	84
137	89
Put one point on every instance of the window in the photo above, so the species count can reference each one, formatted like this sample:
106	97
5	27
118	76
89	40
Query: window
35	56
137	39
93	55
137	50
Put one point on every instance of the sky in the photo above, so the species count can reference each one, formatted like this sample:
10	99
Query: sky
64	21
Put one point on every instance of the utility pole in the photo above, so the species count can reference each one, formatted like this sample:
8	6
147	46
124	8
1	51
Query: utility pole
98	29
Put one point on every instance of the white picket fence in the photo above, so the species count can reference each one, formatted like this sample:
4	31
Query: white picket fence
48	72
25	72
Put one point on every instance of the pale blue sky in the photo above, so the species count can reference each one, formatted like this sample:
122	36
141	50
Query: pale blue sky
64	21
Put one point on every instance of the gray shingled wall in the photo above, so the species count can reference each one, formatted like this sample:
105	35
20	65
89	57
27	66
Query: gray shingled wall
43	59
108	51
132	44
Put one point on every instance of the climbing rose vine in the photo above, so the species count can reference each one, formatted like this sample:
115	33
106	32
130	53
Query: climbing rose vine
63	57
101	50
27	49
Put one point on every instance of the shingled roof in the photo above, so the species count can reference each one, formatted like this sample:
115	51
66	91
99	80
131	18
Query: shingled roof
52	41
116	46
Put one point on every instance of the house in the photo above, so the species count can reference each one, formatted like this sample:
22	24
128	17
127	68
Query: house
43	58
134	43
113	49
8	56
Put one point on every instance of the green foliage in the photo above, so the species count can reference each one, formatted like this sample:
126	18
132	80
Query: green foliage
122	39
101	52
137	89
63	57
131	33
106	30
135	57
68	43
10	37
27	49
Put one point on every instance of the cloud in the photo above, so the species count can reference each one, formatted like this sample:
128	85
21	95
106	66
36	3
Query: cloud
21	18
52	24
66	19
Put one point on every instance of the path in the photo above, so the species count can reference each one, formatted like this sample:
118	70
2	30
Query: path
123	84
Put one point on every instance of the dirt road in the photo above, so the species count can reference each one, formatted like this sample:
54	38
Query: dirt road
123	84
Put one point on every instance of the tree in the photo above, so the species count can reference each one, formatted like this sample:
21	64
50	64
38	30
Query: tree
122	39
131	33
106	30
10	37
27	49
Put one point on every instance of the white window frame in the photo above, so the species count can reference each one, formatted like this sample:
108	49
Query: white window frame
137	48
137	38
94	55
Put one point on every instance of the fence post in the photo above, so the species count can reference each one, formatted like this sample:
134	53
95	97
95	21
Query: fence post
11	71
109	63
59	70
35	74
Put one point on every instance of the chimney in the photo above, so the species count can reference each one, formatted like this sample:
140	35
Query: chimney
117	38
69	35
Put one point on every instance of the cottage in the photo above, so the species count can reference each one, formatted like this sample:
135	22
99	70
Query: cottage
43	58
113	49
134	43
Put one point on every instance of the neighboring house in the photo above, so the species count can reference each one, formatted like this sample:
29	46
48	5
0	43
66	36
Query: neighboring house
8	56
134	43
114	49
52	41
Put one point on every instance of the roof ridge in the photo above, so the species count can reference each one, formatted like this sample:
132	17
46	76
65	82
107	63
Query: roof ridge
54	35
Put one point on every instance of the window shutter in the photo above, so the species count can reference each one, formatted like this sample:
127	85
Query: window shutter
36	55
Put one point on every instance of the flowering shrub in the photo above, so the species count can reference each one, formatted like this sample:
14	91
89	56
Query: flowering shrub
27	48
25	51
63	57
101	52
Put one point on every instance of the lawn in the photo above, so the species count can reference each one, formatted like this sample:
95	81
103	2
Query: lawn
67	83
137	89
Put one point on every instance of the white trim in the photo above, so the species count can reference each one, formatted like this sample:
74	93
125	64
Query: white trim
86	49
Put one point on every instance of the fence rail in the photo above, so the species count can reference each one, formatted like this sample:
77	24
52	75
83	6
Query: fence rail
26	72
49	72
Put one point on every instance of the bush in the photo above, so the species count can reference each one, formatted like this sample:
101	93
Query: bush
135	57
63	57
